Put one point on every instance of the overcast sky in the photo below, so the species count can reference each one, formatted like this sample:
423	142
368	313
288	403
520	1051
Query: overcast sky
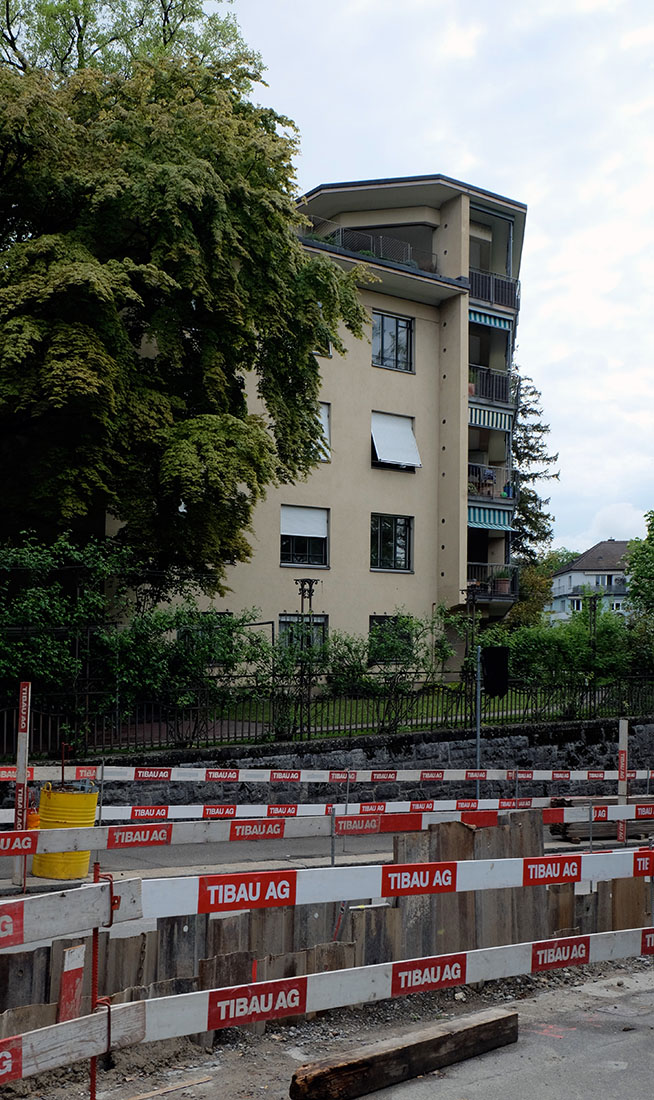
550	102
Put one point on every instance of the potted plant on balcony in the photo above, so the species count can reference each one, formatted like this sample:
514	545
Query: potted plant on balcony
502	582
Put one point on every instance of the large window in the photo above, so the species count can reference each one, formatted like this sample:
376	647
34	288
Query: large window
303	630
391	342
390	542
304	536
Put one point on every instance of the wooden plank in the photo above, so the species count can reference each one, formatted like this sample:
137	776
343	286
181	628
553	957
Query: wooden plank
399	1059
604	906
530	903
415	912
452	916
494	909
561	909
171	1088
629	903
375	933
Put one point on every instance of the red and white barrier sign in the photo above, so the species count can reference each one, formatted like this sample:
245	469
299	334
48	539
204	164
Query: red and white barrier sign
36	917
191	774
72	979
148	833
173	1017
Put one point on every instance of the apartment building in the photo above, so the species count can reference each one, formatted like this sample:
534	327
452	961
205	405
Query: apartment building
598	575
413	504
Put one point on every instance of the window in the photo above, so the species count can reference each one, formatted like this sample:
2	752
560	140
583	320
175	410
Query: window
303	536
616	605
390	542
391	342
389	639
393	442
575	605
325	420
303	630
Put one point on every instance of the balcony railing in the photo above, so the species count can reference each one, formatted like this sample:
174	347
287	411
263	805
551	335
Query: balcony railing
369	245
494	482
490	385
618	588
498	290
491	581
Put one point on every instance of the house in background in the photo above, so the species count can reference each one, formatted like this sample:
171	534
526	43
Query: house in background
599	571
413	504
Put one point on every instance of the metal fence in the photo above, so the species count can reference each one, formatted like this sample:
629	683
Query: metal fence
93	725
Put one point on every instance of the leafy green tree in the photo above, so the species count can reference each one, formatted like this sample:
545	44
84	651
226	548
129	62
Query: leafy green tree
536	586
150	265
640	568
532	523
65	35
53	600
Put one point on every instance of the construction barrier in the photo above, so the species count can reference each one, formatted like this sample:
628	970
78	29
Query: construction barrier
148	833
191	774
137	1022
305	809
34	918
458	806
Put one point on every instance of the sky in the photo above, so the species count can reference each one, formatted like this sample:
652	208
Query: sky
550	102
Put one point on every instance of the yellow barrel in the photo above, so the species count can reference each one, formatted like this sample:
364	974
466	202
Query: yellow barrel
64	809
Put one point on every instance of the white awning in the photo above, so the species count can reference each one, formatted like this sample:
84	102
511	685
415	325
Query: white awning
394	440
304	521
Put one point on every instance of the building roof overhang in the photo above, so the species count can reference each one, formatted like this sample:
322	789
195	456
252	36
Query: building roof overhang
394	279
328	200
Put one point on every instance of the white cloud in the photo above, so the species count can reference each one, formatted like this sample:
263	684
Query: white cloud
616	521
637	38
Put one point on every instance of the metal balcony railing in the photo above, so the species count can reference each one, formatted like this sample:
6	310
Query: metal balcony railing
491	581
492	482
490	385
498	290
369	245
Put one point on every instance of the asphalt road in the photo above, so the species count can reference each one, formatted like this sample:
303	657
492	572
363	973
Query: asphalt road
590	1042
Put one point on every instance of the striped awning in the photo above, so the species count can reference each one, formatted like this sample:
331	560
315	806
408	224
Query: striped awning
479	417
490	319
490	519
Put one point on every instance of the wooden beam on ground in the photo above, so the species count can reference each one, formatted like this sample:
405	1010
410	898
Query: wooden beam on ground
387	1063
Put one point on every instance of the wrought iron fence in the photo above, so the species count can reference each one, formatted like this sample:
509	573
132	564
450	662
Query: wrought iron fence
94	725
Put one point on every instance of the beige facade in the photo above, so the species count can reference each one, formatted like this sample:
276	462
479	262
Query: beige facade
413	507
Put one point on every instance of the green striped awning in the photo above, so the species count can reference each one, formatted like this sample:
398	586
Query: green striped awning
490	319
490	519
479	417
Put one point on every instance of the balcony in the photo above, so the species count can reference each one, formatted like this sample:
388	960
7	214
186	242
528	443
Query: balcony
497	290
490	385
494	581
618	588
376	246
492	482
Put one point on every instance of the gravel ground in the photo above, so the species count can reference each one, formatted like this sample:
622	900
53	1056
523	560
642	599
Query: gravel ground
243	1065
